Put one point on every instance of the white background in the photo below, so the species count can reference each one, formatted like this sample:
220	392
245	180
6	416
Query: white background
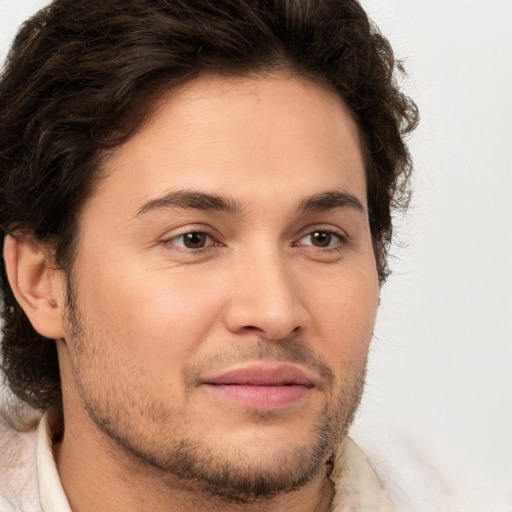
442	363
440	378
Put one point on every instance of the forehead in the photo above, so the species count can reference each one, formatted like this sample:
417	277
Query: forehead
244	136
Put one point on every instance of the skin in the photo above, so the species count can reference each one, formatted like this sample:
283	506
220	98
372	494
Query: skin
286	274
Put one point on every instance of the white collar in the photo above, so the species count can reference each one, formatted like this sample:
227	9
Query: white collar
52	495
357	487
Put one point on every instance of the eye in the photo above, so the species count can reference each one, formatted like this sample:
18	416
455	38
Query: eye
192	240
322	238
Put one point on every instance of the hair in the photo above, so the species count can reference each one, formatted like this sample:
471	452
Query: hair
83	75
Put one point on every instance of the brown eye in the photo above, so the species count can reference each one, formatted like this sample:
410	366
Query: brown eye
192	240
321	239
195	240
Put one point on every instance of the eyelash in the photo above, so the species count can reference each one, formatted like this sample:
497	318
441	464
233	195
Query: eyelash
171	241
339	246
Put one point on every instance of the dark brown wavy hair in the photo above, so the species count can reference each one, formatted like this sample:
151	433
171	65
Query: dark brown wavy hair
83	75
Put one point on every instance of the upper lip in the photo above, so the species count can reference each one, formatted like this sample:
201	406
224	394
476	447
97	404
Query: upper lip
262	374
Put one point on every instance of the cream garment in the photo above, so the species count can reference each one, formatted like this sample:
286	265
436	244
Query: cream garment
51	493
31	482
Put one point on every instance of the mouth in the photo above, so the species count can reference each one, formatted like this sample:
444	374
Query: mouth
264	386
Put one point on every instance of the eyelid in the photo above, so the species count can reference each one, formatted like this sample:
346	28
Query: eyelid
323	228
215	238
168	239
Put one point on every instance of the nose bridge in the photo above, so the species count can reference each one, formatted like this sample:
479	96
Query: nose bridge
268	295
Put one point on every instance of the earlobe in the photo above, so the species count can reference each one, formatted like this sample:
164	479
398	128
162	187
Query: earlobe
38	287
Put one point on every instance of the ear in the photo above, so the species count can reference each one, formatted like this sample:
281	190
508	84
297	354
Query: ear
37	286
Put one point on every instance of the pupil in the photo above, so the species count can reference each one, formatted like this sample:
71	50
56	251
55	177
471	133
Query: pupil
195	240
321	238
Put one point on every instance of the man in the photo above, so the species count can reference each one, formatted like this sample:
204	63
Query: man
196	204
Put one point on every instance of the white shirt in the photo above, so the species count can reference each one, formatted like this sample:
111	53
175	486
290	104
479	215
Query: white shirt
29	480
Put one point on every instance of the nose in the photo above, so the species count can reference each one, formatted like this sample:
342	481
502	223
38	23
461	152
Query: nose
267	297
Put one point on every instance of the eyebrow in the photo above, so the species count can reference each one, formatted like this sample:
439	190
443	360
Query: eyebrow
192	200
330	200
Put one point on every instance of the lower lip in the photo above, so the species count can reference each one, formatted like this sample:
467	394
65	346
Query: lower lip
260	397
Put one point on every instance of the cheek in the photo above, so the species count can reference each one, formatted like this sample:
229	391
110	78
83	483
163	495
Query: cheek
147	311
343	316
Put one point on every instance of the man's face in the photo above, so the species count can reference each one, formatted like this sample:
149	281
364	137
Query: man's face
225	286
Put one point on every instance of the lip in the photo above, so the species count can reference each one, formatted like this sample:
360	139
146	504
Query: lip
266	386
